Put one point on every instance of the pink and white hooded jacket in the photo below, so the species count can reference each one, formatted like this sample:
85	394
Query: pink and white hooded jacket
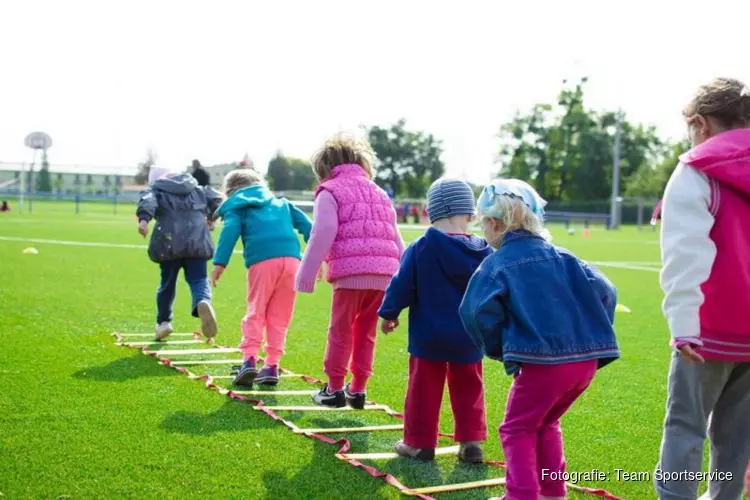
705	243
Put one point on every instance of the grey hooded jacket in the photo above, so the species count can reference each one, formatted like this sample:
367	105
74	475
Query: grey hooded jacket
181	208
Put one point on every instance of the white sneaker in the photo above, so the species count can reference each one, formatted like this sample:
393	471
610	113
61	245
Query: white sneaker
163	330
208	318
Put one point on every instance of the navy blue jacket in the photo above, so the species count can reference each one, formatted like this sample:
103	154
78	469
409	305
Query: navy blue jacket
431	281
532	302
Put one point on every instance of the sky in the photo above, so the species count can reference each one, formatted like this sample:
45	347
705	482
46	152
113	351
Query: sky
107	80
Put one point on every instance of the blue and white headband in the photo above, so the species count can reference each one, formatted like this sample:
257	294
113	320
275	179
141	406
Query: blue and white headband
486	204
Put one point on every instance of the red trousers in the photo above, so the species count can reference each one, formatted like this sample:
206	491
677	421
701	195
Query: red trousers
351	337
424	397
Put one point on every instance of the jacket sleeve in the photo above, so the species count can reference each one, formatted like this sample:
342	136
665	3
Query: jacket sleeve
603	288
214	199
301	221
687	251
483	313
402	292
147	205
230	233
322	236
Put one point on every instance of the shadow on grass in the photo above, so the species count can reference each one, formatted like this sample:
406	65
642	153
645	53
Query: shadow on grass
124	369
324	477
233	416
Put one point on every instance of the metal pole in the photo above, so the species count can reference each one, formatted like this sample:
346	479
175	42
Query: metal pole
22	187
613	219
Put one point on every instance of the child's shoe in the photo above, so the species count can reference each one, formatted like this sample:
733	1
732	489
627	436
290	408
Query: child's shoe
163	330
471	453
247	374
207	315
333	400
355	400
269	375
404	450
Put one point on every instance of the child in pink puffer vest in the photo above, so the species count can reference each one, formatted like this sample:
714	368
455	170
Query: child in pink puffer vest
355	233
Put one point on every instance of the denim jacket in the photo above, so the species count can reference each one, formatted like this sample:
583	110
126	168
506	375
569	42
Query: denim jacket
532	302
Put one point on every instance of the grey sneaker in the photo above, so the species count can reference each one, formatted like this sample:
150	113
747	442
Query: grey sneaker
206	313
404	450
164	330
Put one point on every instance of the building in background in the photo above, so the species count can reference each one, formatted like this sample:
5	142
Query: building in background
70	179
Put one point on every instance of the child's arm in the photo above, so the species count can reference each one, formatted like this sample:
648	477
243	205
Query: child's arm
230	233
322	236
482	311
301	221
603	288
688	253
147	206
402	292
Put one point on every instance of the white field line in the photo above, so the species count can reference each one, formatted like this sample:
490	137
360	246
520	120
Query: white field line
633	266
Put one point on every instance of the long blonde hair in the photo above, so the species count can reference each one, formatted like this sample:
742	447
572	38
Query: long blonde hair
512	214
342	149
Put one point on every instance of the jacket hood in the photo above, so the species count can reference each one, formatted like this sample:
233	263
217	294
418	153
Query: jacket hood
725	158
177	184
457	256
256	195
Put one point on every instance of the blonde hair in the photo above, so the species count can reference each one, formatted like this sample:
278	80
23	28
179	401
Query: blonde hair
241	178
515	215
726	100
342	149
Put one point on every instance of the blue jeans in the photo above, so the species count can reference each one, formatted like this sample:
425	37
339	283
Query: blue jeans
196	275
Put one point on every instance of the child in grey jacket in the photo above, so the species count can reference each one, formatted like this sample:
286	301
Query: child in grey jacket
184	213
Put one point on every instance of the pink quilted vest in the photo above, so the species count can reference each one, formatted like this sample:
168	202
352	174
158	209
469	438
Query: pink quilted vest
366	240
725	329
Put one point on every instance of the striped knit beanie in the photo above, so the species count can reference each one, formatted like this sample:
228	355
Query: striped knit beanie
448	197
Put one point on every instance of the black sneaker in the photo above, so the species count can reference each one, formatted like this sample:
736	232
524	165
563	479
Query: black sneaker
355	400
333	400
246	376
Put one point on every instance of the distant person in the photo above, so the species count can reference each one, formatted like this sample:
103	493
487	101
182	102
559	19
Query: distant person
200	174
180	240
355	232
272	254
5	207
548	316
431	282
706	283
389	191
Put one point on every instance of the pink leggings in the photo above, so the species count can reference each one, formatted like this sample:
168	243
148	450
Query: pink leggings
270	305
351	337
531	434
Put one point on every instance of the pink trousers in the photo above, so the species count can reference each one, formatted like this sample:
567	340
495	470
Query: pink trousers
351	337
531	435
270	305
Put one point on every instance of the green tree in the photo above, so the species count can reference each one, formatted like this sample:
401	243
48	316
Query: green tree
77	183
90	184
566	151
650	180
289	174
406	160
43	179
107	184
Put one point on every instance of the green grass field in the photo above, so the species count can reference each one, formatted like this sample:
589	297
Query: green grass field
82	418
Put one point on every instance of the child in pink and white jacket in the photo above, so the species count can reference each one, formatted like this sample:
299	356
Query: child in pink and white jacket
706	280
355	233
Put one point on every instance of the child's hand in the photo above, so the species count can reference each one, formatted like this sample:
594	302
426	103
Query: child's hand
690	355
387	326
143	228
216	275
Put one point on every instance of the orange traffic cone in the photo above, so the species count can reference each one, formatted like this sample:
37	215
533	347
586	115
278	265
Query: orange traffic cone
586	233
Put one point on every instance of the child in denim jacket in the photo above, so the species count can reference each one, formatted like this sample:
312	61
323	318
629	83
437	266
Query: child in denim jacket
548	316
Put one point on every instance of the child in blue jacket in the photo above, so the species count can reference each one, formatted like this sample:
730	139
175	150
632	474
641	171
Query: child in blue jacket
548	316
431	281
272	254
